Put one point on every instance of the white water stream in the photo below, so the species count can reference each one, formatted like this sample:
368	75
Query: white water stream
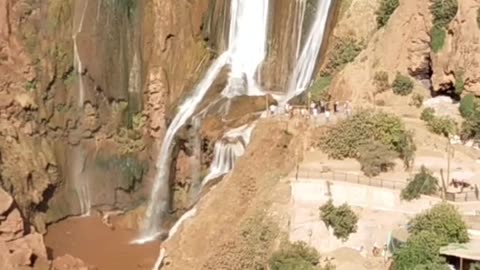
303	72
81	184
246	51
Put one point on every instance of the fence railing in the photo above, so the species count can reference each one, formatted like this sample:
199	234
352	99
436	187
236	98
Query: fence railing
350	178
308	173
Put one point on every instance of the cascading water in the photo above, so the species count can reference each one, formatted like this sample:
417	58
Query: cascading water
81	185
160	191
246	51
303	71
247	46
228	150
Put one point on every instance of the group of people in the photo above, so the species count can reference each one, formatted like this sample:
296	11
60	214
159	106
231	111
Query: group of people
315	109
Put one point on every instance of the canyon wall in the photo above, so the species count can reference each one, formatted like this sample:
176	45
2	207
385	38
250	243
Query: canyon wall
138	58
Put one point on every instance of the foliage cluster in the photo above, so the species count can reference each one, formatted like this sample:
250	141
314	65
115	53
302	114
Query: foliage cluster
429	231
342	219
459	83
375	158
293	256
422	183
344	51
319	89
470	111
380	80
402	85
443	13
386	9
441	125
417	100
348	137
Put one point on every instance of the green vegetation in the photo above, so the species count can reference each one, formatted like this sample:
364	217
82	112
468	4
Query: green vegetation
429	231
319	88
402	85
342	219
417	100
470	111
438	38
443	13
294	256
441	125
346	138
475	266
427	114
375	158
459	83
423	183
387	7
344	52
444	220
31	86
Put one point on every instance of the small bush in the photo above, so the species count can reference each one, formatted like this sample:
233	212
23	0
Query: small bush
344	139
380	80
417	100
471	126
402	85
342	219
427	114
375	158
459	84
387	7
423	183
468	106
294	256
443	11
442	125
344	52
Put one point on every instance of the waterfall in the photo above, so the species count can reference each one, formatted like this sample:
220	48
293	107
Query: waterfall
160	192
80	184
228	150
247	46
246	51
303	71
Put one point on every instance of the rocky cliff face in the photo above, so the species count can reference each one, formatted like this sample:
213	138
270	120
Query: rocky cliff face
132	64
404	46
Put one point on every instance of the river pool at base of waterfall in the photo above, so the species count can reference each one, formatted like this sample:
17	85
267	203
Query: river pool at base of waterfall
88	239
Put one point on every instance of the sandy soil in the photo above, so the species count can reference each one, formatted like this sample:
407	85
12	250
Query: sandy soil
90	240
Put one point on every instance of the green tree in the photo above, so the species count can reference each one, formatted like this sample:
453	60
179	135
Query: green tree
295	256
421	251
444	221
422	183
443	13
402	85
386	9
375	158
442	125
342	219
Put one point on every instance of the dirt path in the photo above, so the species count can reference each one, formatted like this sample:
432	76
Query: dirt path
90	240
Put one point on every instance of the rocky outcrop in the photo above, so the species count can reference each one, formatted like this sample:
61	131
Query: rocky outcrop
459	59
352	22
403	46
21	247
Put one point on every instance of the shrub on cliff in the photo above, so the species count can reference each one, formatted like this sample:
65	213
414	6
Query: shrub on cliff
443	13
342	219
380	80
402	85
319	88
344	52
422	183
344	139
427	114
375	158
459	83
478	23
416	100
467	106
442	125
386	9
